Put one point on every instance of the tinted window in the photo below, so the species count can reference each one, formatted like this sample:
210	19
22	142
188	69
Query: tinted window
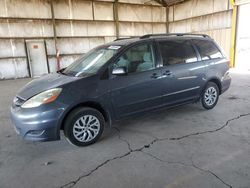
137	59
207	50
175	52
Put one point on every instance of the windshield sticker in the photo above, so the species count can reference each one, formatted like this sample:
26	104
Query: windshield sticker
114	47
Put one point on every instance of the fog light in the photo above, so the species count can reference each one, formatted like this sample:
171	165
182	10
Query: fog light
35	133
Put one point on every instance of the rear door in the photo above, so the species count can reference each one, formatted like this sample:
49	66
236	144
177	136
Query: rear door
182	71
140	89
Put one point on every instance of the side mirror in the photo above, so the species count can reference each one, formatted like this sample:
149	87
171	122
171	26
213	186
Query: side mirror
119	71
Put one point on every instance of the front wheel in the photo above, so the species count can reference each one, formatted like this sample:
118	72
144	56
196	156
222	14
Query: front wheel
84	126
210	96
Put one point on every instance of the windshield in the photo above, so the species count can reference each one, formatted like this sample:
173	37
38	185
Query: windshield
91	62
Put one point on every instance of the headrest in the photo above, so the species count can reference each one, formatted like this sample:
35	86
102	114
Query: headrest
147	57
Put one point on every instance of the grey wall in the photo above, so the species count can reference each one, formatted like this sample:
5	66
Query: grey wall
80	25
212	17
83	24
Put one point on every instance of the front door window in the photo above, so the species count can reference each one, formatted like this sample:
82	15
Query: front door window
137	59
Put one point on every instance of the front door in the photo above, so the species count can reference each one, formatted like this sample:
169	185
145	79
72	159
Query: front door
140	89
37	58
182	73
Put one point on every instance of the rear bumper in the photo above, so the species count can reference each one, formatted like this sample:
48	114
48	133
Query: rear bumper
36	124
225	83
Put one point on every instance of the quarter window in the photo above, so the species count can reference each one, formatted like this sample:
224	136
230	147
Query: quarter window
137	59
207	50
176	52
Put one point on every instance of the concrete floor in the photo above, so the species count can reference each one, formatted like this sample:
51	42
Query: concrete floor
181	147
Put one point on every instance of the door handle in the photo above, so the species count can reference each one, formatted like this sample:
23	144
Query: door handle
167	73
155	76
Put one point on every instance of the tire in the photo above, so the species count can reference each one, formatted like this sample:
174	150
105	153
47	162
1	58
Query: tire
84	126
210	96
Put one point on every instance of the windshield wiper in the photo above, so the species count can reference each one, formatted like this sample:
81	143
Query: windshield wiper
61	71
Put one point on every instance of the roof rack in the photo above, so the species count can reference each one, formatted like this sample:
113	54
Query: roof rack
174	34
124	38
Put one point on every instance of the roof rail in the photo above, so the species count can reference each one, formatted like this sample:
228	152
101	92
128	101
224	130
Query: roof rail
124	38
173	34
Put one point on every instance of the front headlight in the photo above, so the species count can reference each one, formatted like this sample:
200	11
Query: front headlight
42	98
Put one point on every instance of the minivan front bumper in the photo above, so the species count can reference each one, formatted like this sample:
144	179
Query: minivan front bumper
37	124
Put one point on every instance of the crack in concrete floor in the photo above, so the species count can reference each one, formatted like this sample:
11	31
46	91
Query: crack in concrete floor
211	173
189	165
155	140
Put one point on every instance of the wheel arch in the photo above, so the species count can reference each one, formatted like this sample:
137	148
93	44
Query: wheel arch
216	81
91	104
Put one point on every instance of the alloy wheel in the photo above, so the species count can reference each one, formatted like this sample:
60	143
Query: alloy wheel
210	96
86	128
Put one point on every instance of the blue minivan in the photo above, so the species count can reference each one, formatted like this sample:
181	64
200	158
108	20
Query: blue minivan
119	79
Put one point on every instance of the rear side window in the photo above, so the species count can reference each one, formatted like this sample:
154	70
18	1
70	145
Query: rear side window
176	52
207	49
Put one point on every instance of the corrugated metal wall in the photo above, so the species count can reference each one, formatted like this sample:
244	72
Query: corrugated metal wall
84	24
212	17
80	25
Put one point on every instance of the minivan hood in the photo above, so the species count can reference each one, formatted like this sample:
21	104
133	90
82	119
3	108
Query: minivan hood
44	83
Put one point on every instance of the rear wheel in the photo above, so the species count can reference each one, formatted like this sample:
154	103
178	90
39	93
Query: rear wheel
84	126
210	96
